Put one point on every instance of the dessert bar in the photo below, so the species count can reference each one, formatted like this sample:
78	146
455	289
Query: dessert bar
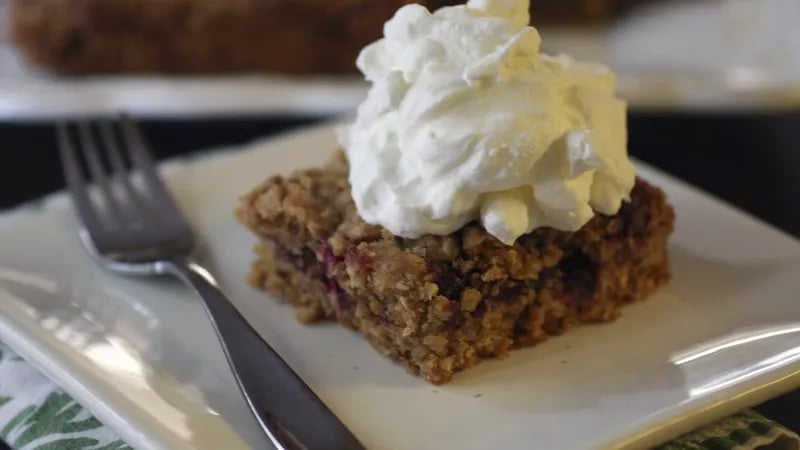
441	304
197	36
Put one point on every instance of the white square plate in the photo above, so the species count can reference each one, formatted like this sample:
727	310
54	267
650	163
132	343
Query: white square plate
723	335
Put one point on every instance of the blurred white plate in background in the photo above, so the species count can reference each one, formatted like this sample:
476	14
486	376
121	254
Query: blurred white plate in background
712	55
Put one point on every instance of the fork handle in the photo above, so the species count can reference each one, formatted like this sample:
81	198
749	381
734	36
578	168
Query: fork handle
289	412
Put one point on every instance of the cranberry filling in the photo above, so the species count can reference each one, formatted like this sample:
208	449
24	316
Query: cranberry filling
327	257
457	319
450	281
357	259
510	290
302	261
340	299
579	278
320	266
384	317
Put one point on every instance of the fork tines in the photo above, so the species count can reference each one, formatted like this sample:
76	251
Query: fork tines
111	175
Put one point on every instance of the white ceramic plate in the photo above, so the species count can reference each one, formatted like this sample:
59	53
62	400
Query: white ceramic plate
697	69
723	335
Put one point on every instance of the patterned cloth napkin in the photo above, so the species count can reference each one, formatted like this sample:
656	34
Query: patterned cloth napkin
36	415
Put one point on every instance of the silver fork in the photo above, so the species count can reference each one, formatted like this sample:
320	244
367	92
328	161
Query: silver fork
131	225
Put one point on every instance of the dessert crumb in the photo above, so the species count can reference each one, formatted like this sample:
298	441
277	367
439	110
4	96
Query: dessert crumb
478	395
435	391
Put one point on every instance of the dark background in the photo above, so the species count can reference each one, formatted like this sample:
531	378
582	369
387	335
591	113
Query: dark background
750	160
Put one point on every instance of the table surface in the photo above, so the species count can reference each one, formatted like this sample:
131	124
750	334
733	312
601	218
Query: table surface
749	160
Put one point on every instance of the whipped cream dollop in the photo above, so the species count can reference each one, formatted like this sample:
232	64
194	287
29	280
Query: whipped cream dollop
466	120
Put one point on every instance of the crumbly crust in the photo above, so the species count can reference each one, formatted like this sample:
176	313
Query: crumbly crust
440	304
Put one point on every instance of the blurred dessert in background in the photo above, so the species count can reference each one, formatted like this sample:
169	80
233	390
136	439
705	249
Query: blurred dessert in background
197	36
212	36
